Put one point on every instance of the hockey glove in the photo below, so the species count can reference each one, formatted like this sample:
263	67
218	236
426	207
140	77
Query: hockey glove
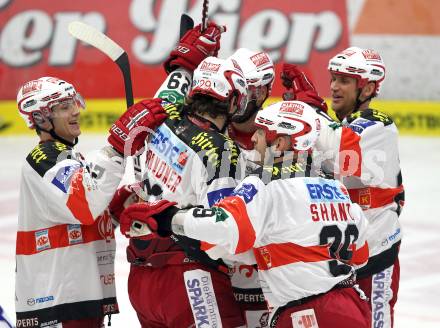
194	47
123	197
299	87
141	219
133	127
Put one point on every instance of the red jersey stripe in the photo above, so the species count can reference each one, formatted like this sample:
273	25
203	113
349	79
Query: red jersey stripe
275	255
350	159
374	197
77	202
58	236
246	233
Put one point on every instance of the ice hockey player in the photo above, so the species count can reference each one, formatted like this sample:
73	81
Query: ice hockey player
306	236
367	159
65	241
191	162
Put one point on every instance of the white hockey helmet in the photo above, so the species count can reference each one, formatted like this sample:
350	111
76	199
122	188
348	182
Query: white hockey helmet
36	98
290	118
257	67
366	65
221	79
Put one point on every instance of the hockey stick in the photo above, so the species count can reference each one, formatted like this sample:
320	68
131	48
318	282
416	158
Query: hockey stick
204	15
186	24
103	43
100	41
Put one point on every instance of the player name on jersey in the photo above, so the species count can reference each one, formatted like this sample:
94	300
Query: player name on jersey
330	202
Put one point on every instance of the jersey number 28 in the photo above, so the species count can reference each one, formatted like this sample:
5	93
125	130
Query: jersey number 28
339	248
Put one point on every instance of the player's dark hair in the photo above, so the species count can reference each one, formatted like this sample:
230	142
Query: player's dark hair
203	104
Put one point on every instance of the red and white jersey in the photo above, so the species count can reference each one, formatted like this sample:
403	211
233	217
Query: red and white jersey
305	233
190	162
363	153
65	241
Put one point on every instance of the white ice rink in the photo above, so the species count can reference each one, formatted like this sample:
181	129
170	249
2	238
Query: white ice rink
419	295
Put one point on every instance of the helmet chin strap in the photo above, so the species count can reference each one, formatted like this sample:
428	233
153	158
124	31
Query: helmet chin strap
57	137
360	102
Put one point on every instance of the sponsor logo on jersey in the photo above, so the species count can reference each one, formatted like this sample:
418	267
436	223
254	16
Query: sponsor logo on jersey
37	154
392	238
28	322
105	257
381	294
74	233
247	191
110	308
217	195
107	279
360	125
327	191
209	67
202	298
42	241
38	300
304	319
170	148
64	176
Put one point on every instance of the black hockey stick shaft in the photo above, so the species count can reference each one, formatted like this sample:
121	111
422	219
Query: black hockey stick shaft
204	15
124	65
186	24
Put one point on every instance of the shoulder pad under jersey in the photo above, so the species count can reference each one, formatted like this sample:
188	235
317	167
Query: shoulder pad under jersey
371	115
45	155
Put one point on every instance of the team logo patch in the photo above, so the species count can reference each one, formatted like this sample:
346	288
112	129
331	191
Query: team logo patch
247	191
201	296
64	176
364	200
304	319
266	256
42	240
74	233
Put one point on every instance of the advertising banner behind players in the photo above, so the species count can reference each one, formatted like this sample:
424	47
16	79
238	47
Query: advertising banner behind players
34	41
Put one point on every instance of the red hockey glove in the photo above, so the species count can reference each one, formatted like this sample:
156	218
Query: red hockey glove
141	219
301	87
145	115
123	197
194	47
